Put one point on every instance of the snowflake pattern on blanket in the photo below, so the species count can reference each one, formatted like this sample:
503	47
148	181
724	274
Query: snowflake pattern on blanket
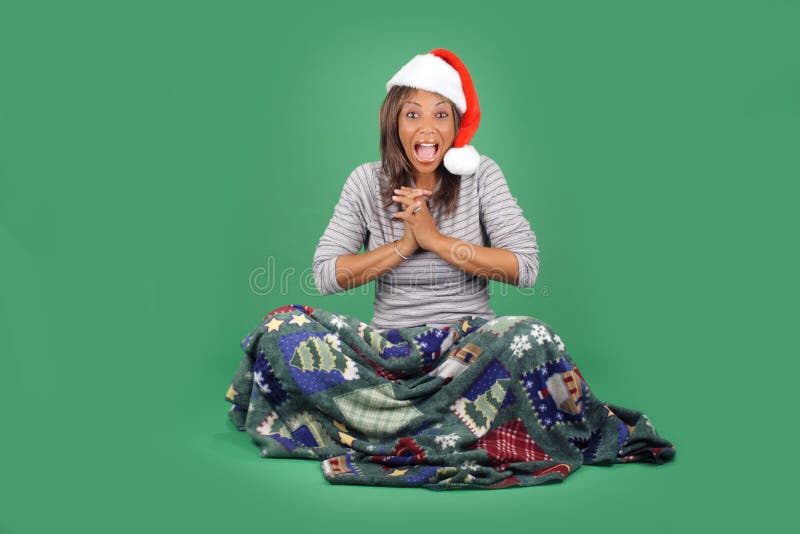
479	404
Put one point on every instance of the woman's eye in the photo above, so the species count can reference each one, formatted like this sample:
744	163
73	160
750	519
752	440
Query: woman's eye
441	114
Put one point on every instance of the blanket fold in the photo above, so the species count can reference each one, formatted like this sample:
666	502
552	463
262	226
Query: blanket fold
480	404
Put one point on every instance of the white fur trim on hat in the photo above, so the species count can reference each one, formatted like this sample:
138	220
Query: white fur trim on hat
463	160
431	73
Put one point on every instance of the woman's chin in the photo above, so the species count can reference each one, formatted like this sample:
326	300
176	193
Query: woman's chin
426	165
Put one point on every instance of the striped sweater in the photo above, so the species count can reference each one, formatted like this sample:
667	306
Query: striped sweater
425	289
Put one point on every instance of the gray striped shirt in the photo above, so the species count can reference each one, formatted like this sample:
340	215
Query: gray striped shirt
425	289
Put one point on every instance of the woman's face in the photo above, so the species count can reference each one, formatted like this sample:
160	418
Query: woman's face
426	118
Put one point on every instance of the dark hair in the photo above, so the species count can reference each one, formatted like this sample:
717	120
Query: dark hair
396	166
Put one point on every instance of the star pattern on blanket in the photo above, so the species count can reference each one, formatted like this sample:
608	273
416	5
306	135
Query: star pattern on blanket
274	324
299	320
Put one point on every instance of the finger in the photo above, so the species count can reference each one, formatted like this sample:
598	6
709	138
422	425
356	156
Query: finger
404	192
405	201
408	190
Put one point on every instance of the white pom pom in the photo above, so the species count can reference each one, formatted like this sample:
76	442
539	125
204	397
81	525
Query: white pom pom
463	160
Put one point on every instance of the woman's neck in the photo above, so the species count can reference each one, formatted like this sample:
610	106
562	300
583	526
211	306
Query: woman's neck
425	181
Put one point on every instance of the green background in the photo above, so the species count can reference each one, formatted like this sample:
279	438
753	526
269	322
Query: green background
160	162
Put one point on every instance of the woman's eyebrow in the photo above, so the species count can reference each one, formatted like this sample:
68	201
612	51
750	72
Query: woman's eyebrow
420	105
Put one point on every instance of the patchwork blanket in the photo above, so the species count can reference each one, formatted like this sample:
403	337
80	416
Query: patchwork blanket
479	404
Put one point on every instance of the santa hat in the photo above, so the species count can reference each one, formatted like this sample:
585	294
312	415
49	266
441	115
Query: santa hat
440	71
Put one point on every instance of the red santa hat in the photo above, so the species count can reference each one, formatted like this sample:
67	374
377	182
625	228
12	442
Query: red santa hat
441	71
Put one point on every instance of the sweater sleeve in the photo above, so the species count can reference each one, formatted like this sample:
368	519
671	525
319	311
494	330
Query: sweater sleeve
344	234
504	222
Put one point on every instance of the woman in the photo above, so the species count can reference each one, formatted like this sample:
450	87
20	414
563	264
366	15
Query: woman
437	391
428	267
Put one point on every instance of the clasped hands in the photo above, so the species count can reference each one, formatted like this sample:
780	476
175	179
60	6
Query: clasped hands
420	228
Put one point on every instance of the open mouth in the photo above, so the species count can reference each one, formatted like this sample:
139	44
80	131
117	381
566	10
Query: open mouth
426	152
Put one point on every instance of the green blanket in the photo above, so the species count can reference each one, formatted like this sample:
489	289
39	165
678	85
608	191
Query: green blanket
479	404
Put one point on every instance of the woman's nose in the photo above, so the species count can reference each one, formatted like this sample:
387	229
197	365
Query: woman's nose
428	122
